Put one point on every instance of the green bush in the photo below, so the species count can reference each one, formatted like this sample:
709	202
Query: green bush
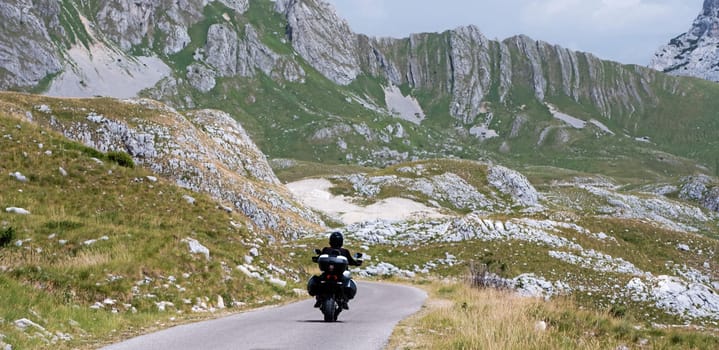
121	158
6	236
618	311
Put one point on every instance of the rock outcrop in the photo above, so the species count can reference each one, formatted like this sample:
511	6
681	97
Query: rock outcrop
514	184
322	38
696	52
205	151
465	66
27	52
470	58
702	189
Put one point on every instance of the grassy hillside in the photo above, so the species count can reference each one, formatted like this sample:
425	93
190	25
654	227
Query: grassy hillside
104	252
106	246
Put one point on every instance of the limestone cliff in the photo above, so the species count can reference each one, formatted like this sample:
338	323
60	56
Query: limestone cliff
696	52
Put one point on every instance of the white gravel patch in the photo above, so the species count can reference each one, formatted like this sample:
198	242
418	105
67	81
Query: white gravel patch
405	107
315	194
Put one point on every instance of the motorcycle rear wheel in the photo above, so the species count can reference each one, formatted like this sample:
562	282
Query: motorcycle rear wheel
329	310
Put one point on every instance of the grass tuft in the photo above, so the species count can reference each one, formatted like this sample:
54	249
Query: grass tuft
7	235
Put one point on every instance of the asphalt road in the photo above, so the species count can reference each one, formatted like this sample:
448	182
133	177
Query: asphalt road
373	314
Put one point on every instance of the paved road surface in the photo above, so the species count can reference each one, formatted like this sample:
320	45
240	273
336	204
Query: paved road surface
367	325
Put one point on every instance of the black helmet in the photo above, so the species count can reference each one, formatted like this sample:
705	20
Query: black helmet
336	240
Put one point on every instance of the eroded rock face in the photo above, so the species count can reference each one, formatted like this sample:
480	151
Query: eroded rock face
201	77
471	75
28	53
205	151
130	23
253	55
221	49
464	65
514	184
322	38
702	189
696	52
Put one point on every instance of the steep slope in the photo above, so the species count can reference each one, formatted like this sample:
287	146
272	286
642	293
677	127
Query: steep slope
204	151
95	247
695	52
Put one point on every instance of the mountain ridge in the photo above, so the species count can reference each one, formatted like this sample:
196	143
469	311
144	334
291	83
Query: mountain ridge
693	53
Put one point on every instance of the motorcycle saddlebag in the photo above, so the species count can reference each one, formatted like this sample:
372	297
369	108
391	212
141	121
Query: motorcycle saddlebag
313	285
351	289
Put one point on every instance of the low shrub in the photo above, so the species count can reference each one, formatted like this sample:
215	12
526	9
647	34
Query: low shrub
7	236
481	276
121	158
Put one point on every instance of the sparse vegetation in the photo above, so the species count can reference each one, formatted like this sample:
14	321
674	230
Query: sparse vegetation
95	234
457	316
121	158
7	235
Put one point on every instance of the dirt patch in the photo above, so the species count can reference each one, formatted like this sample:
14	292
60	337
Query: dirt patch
315	194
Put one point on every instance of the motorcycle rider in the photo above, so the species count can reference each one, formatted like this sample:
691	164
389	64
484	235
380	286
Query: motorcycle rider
336	242
335	248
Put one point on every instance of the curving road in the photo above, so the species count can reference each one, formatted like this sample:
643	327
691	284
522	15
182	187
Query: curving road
368	324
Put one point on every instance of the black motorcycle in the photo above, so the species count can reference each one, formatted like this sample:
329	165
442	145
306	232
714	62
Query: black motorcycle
333	287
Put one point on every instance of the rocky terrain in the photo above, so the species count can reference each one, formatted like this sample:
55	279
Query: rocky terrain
561	222
695	52
467	95
565	174
204	151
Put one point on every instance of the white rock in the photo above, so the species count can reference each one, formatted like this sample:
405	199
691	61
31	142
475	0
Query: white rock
63	172
162	305
277	282
197	248
16	210
189	199
254	252
683	247
18	176
44	109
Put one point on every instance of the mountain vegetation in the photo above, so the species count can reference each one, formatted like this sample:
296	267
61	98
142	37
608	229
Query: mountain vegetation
587	185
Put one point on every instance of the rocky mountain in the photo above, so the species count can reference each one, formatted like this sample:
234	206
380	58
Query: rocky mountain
696	52
306	87
570	174
27	50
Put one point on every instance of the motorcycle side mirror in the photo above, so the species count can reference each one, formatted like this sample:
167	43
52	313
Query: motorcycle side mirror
358	255
317	251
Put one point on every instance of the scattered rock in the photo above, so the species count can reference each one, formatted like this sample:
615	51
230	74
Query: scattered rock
18	176
16	210
197	248
189	199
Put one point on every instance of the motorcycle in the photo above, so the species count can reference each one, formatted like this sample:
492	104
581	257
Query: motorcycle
333	287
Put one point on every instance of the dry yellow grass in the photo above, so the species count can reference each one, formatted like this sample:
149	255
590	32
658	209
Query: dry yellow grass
459	317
